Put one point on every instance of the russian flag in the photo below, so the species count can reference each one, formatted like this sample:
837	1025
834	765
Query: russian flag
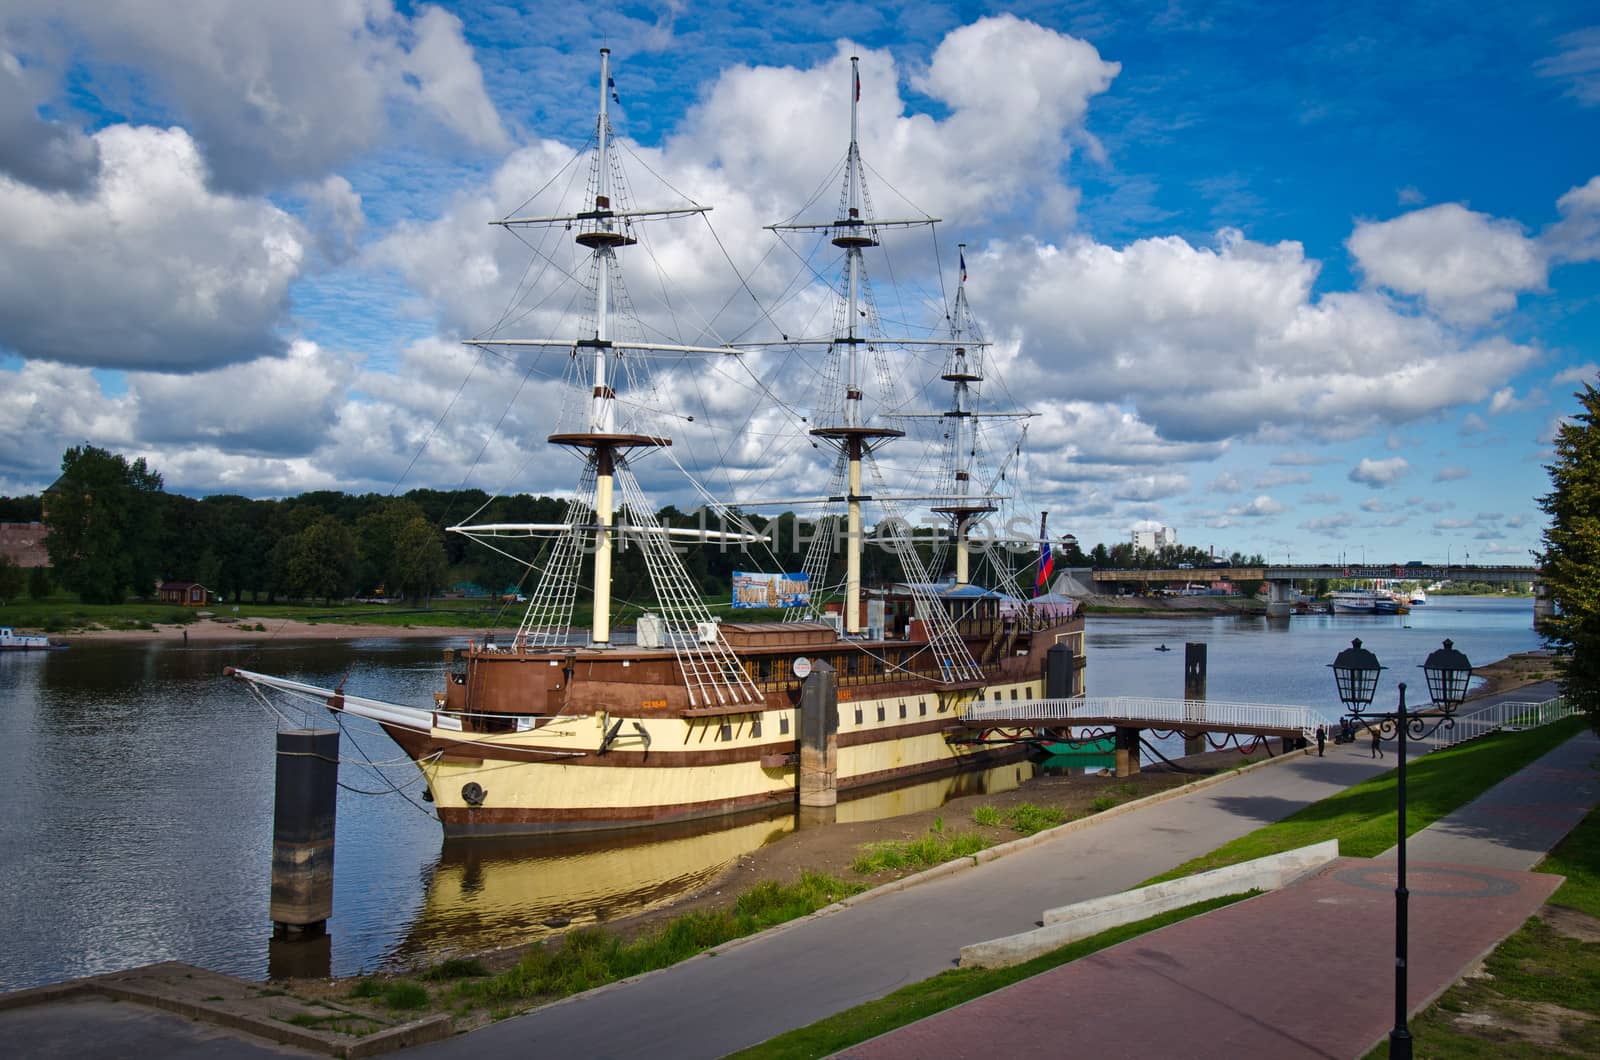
1047	562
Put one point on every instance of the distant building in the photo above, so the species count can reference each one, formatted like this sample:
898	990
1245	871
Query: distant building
23	544
1154	540
187	594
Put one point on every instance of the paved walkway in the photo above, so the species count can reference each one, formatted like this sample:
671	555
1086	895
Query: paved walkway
1260	978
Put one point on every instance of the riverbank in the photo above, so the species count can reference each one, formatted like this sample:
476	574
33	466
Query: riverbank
250	628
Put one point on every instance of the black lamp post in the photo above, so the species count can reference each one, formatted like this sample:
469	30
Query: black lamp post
1356	670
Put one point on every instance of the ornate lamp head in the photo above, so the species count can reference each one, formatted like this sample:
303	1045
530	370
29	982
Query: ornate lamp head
1448	673
1356	671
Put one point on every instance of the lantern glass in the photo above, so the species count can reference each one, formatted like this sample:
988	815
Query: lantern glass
1356	671
1449	673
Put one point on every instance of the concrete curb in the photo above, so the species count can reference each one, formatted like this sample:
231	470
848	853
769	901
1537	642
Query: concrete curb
128	986
1069	923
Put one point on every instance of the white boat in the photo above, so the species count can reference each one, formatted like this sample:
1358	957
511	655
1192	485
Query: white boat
11	640
559	728
1354	602
1419	596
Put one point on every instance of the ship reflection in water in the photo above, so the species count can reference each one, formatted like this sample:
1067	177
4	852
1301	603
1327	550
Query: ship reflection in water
486	894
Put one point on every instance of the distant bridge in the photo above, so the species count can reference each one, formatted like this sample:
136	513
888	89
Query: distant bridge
1280	578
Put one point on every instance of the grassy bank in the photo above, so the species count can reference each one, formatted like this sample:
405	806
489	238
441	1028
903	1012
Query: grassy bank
1364	818
1538	994
64	614
947	990
589	957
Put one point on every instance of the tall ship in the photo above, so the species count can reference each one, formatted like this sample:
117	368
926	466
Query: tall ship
573	723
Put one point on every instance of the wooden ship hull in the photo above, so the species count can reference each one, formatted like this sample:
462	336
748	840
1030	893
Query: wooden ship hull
528	742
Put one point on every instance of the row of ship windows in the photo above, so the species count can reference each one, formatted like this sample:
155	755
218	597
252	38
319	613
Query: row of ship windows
725	732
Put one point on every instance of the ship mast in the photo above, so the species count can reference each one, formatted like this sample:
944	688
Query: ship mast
853	234
961	371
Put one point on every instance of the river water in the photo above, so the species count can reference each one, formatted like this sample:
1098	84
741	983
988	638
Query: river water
139	787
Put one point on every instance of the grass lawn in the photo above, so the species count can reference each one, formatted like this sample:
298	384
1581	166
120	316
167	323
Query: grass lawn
1364	818
1540	994
949	989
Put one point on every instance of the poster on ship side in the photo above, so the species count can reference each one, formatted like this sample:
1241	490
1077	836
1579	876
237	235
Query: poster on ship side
754	589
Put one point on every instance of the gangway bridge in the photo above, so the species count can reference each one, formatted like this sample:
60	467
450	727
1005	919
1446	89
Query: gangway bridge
1128	716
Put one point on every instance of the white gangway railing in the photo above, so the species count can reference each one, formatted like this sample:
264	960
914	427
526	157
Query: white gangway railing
1471	724
1166	713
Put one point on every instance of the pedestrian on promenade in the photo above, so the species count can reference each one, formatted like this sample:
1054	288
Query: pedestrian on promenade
1377	743
1322	739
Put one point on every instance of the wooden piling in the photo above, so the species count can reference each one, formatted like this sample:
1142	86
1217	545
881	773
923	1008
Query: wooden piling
302	832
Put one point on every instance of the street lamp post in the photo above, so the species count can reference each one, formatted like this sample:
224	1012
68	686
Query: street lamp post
1448	673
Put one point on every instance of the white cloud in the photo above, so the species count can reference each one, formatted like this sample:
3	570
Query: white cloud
1260	506
1578	64
1379	473
47	154
1472	423
149	270
1576	237
1452	473
283	90
1466	266
1226	482
963	164
1275	478
1586	372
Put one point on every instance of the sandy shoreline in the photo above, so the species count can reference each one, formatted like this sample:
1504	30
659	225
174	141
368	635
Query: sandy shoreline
209	630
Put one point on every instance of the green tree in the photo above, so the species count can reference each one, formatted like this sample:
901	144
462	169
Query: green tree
105	522
39	583
418	561
323	563
1570	564
12	579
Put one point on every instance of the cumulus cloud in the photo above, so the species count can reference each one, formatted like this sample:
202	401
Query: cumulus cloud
1452	473
1466	266
1576	237
964	163
1586	372
1379	473
1275	478
51	155
151	269
1260	506
287	90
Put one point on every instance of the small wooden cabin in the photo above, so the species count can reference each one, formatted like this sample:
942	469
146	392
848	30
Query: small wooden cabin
185	594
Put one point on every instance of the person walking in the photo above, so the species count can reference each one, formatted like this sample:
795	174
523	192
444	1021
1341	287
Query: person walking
1322	739
1377	743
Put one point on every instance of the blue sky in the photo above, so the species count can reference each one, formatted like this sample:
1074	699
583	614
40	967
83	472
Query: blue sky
1302	281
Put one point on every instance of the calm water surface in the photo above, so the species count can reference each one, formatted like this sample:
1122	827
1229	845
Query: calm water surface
139	788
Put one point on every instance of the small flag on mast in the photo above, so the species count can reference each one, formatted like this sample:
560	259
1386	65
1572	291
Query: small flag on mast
1047	564
963	266
858	86
611	83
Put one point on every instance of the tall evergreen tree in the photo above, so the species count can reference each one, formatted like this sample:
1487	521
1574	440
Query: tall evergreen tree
104	517
1570	565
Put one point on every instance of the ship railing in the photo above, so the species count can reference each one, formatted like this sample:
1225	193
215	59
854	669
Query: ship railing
1495	717
1174	713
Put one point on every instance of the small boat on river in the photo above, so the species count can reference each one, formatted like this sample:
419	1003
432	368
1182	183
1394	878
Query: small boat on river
11	640
557	728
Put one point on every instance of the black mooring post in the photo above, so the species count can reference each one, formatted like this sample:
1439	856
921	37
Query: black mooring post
1194	691
302	832
819	737
1060	664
